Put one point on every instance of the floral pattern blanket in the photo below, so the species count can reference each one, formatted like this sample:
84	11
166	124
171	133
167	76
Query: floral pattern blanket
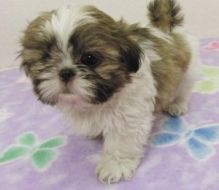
38	150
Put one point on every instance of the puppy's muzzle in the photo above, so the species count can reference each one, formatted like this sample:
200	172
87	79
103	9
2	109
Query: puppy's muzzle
67	74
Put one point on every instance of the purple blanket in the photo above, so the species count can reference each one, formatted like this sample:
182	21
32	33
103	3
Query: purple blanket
39	152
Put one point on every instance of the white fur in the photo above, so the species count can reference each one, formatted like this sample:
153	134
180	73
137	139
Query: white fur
124	121
50	87
151	51
159	34
64	21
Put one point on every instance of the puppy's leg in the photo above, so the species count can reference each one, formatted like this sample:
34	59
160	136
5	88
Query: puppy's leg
173	98
123	149
179	106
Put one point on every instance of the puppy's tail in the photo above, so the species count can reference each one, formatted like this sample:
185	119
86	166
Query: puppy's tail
165	14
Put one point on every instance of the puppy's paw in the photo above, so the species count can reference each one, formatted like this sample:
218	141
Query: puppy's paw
111	170
177	109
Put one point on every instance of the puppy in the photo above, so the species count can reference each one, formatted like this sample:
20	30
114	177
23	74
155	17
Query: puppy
109	77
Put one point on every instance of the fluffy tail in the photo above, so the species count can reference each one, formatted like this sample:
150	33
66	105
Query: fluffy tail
165	14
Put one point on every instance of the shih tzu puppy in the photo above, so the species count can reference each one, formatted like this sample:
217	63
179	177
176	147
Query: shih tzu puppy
109	77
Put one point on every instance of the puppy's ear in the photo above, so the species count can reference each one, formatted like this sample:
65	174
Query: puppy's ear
34	40
131	55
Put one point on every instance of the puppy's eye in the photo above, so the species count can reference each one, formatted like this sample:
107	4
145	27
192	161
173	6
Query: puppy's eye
90	59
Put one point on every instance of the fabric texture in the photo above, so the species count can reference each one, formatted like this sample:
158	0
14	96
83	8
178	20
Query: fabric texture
39	151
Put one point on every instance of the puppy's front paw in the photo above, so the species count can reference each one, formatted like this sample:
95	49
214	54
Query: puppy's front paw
177	109
111	170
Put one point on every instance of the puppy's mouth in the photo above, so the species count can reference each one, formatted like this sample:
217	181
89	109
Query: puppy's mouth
54	91
69	97
69	100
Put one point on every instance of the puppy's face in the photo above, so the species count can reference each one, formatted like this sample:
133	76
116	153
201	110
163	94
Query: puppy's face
78	55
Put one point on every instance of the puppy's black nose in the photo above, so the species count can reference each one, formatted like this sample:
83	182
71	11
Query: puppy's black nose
66	74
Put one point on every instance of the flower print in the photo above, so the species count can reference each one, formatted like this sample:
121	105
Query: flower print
213	46
209	83
198	141
41	154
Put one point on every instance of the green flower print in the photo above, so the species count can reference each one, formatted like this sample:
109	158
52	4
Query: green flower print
41	154
210	82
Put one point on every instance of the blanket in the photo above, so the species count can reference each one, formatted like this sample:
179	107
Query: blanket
39	151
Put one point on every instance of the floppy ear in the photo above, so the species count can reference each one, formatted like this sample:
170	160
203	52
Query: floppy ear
33	41
131	55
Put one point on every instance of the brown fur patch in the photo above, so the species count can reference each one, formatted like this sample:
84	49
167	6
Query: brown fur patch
34	35
169	71
165	14
119	55
36	44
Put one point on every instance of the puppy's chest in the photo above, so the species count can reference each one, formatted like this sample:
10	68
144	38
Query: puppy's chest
95	118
